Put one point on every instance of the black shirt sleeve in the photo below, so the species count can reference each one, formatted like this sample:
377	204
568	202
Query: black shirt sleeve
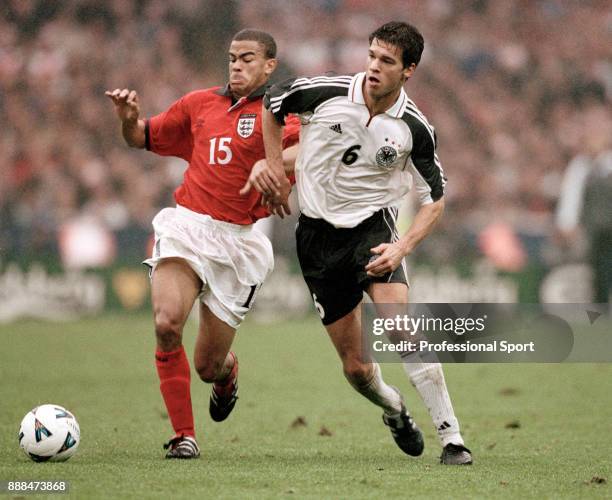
424	157
300	95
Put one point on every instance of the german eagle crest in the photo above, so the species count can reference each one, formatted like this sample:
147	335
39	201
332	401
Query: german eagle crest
385	156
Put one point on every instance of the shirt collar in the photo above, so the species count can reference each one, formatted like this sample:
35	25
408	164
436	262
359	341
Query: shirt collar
226	91
356	95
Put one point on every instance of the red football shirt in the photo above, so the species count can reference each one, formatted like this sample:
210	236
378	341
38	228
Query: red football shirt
221	141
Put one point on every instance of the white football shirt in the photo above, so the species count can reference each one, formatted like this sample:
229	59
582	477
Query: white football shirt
352	164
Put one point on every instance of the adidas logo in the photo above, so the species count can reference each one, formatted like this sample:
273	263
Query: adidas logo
445	425
336	128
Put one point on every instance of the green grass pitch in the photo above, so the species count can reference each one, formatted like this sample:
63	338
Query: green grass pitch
535	430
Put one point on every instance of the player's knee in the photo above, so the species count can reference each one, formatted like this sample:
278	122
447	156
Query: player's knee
357	373
207	370
168	330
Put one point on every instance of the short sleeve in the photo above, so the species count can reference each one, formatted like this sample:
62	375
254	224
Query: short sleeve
428	174
169	133
421	189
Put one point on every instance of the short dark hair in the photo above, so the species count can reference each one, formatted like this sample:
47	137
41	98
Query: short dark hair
402	35
265	39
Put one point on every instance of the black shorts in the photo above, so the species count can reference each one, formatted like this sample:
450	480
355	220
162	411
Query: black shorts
333	261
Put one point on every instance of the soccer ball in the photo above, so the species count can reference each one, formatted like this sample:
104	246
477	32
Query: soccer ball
49	433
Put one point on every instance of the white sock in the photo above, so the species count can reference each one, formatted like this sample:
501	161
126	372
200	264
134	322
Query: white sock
428	380
381	394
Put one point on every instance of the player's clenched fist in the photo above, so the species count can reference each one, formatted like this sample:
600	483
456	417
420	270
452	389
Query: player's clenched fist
126	104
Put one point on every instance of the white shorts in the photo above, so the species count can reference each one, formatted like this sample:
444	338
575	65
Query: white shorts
231	260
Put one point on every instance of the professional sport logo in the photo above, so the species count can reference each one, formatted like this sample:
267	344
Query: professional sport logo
246	125
386	156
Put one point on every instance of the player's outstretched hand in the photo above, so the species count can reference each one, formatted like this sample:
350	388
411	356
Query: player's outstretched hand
386	259
126	104
263	179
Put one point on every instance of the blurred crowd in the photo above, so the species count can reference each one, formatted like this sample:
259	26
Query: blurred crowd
516	90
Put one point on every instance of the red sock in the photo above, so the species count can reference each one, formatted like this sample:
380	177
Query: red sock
175	385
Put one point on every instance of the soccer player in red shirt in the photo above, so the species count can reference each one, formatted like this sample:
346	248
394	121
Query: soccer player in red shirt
206	246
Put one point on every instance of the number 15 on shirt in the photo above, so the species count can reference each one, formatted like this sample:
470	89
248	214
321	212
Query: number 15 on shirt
220	153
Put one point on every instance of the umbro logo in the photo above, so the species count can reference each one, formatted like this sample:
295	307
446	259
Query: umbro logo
336	128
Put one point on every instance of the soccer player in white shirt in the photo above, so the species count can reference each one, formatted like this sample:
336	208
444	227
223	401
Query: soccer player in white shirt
362	141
